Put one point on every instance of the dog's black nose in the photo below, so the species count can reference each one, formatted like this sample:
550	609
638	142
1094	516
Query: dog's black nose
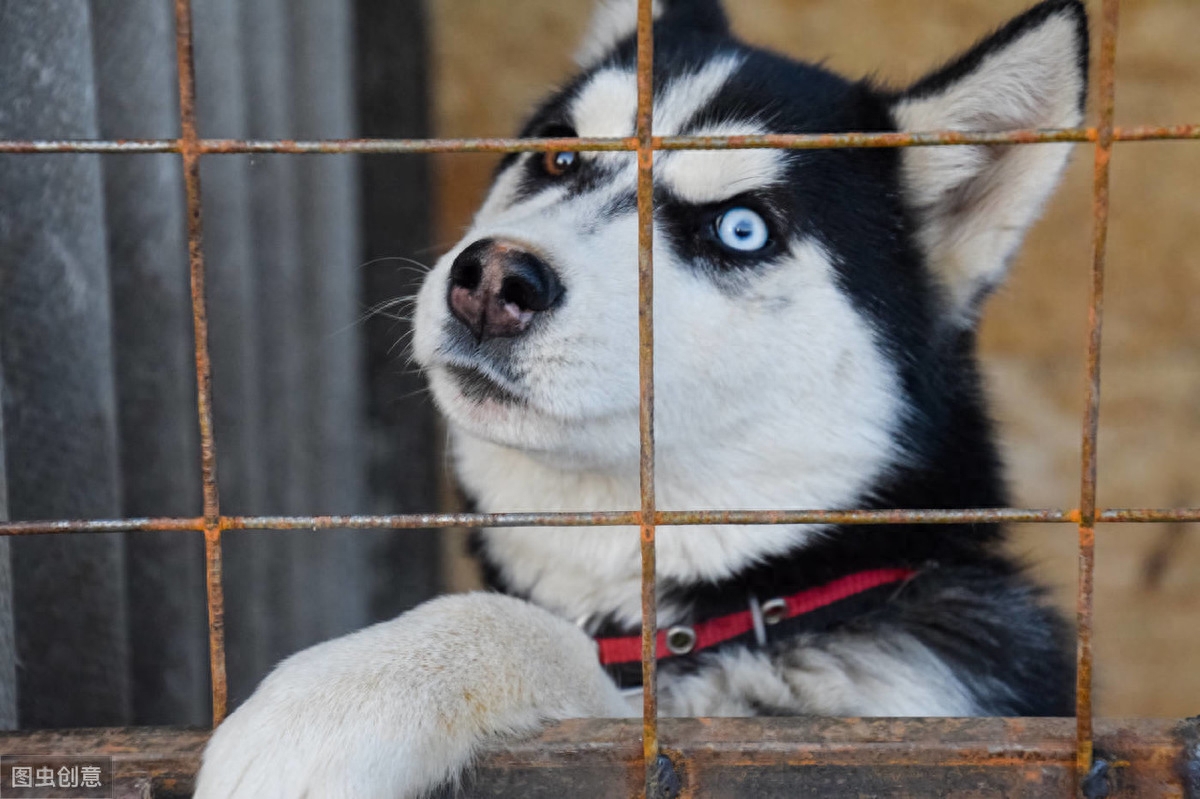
497	288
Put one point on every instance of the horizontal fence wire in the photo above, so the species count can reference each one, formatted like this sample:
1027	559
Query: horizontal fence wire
777	141
429	521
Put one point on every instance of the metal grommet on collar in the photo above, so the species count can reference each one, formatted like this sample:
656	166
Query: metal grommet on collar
681	640
756	618
774	610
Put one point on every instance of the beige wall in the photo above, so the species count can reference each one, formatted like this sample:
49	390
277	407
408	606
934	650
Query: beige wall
493	59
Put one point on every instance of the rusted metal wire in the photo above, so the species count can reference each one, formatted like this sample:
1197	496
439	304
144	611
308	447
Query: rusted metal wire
796	141
645	223
1125	515
208	451
1105	102
819	141
426	521
89	526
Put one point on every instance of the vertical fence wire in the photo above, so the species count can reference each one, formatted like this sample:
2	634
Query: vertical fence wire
1105	102
190	154
645	209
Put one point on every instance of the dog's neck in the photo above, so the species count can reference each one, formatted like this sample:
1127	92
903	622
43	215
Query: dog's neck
595	572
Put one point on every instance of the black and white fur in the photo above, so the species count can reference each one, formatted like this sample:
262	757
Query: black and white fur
833	368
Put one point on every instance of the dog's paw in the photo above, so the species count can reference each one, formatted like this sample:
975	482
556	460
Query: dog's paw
399	708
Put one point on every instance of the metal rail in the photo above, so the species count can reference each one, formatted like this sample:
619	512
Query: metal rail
776	758
1153	755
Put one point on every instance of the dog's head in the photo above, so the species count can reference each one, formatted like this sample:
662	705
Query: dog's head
810	306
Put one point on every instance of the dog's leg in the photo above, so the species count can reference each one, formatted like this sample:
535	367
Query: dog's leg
399	708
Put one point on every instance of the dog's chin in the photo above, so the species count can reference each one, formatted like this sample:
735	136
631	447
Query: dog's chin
481	407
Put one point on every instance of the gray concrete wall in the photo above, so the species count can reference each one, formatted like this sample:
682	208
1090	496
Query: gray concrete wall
397	216
60	415
322	43
96	346
8	651
151	329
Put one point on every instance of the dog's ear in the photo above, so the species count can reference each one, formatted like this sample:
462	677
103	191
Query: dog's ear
974	203
614	20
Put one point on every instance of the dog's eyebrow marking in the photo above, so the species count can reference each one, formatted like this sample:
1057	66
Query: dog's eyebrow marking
607	105
686	95
709	176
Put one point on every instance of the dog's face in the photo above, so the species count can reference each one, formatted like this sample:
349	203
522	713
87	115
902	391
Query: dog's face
805	301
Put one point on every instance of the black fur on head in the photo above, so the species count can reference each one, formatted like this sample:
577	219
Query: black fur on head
698	16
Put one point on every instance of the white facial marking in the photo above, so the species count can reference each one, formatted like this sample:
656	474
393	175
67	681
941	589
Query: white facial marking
607	105
708	176
688	94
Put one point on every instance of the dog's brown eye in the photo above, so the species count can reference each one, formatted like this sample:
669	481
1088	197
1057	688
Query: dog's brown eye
560	163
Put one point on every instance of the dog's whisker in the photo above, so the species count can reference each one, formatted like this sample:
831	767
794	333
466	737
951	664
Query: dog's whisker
401	341
414	265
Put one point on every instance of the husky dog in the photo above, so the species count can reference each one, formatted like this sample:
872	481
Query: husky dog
815	319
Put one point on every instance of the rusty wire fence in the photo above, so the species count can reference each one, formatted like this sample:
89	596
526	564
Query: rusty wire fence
1137	757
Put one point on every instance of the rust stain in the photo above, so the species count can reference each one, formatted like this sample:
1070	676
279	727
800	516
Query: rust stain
190	155
1105	101
648	515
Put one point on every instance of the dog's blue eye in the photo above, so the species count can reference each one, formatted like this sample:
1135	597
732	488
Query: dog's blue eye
743	230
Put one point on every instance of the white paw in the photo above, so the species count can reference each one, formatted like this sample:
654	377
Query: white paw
399	708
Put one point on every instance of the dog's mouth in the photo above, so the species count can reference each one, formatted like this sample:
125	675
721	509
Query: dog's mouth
478	386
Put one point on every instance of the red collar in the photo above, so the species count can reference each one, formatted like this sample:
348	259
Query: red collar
684	640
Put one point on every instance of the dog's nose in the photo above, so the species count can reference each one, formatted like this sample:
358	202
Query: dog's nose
497	288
